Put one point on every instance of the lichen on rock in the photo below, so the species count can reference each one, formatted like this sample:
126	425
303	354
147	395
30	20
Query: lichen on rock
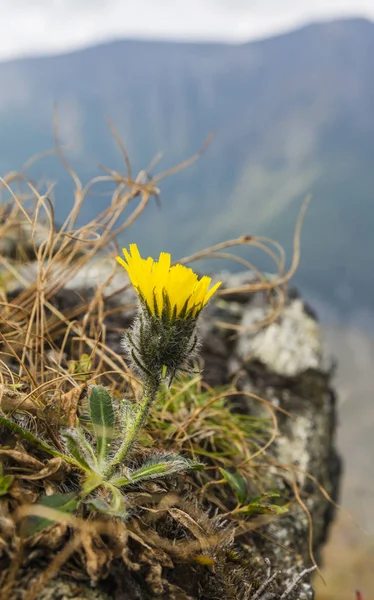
288	346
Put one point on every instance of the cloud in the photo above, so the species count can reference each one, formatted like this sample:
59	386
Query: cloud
46	26
302	6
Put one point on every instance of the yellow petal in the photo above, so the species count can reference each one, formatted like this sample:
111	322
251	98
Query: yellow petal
152	279
122	262
211	291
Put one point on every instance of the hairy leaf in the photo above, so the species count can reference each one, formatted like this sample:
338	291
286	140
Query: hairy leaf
102	418
30	437
160	466
77	445
121	481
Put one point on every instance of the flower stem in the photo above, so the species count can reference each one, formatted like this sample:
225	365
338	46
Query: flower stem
132	432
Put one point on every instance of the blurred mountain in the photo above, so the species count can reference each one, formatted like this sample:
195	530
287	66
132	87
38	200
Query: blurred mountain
293	115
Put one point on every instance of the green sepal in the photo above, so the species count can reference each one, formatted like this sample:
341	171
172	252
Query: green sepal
155	305
166	310
183	311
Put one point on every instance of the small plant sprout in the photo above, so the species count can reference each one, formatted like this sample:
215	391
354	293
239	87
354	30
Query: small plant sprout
97	455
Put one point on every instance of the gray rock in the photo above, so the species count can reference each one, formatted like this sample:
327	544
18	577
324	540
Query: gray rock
283	363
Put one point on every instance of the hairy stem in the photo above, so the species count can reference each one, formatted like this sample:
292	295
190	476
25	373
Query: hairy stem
131	433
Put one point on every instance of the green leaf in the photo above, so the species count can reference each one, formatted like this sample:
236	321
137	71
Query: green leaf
260	505
102	418
255	508
66	503
264	497
238	485
5	483
77	445
30	437
161	466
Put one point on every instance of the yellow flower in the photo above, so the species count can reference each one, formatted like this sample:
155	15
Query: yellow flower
161	286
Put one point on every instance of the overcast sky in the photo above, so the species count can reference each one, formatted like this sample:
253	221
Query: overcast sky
46	26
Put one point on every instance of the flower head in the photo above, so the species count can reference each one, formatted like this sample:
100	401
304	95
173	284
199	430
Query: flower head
175	290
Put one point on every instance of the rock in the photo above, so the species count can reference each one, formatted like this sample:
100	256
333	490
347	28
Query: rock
283	363
289	346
